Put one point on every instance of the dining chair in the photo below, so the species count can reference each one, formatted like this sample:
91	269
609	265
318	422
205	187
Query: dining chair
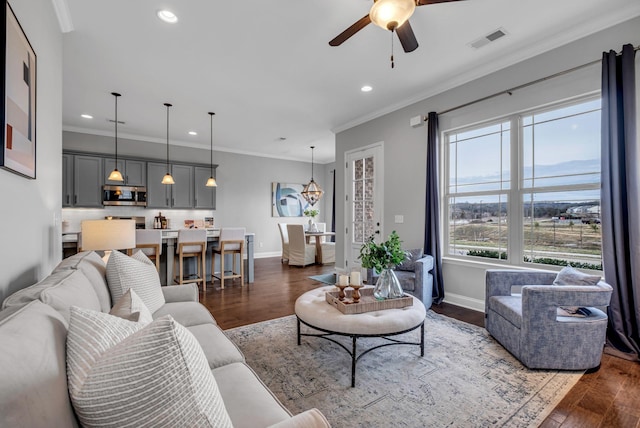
192	243
149	241
300	253
284	236
327	248
231	242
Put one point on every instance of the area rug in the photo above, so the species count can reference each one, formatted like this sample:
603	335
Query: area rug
465	379
327	278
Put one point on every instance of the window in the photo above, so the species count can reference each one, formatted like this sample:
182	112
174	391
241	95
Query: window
526	189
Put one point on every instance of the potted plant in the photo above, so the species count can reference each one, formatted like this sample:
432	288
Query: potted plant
311	213
382	258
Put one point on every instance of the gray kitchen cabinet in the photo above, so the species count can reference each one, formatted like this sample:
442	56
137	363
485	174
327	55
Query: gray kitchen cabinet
205	197
158	194
87	181
182	191
67	180
134	172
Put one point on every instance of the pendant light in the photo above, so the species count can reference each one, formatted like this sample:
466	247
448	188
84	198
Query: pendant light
115	174
211	182
312	192
168	179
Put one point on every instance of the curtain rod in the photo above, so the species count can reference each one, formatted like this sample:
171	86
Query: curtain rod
524	85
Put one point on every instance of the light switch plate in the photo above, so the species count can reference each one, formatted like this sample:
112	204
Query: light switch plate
399	219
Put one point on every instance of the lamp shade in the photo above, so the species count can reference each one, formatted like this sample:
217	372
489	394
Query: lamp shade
108	234
391	14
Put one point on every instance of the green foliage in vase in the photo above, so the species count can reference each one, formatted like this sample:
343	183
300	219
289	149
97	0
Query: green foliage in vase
385	255
310	212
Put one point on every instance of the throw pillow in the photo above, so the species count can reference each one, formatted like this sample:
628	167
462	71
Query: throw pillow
132	308
136	272
571	276
410	262
123	374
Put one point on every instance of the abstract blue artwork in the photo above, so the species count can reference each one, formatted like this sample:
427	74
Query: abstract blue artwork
286	200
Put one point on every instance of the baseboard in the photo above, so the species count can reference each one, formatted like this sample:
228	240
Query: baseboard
266	254
464	301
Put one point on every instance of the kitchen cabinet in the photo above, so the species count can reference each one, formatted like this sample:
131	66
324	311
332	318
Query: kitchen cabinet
205	197
178	195
134	172
87	181
67	180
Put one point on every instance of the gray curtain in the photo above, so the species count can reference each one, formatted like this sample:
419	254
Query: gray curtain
432	208
621	202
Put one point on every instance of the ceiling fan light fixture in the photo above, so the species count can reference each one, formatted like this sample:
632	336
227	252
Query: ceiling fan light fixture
391	14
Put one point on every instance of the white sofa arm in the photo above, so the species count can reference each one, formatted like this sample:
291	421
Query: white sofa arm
312	418
181	293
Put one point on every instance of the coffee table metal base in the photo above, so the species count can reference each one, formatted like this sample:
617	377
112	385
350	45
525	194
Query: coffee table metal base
354	337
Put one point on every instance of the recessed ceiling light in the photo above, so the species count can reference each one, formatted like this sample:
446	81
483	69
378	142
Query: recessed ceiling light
366	88
86	116
167	16
193	133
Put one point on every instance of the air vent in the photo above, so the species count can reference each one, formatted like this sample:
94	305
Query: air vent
491	37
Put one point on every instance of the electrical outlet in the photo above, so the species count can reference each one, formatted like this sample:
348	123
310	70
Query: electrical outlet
261	245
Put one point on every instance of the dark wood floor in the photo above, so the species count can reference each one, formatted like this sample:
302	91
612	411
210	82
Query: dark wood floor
608	397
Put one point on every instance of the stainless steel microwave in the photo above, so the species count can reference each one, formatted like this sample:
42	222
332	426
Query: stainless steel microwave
124	195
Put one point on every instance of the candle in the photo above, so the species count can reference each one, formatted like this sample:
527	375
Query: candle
344	280
355	278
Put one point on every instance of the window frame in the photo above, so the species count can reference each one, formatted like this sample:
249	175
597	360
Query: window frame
516	249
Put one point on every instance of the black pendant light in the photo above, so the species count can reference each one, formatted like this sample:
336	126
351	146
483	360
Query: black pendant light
115	174
168	179
211	182
312	192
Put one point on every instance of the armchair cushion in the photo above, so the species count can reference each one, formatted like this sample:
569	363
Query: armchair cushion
410	261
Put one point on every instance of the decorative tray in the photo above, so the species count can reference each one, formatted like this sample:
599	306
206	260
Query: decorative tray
367	303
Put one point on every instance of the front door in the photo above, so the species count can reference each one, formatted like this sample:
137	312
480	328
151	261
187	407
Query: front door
364	190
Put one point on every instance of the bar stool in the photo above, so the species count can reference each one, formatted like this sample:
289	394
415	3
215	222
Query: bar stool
191	243
231	242
149	241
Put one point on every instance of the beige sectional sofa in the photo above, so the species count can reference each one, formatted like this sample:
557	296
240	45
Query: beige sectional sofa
33	333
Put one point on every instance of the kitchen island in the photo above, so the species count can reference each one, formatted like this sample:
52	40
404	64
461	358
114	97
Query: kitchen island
169	239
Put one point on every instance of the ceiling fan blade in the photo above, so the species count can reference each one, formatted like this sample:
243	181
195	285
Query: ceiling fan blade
426	2
407	37
342	37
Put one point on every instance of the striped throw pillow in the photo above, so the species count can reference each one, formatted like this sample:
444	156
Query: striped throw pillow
136	272
124	375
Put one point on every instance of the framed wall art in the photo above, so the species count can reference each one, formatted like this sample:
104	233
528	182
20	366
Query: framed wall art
286	200
18	94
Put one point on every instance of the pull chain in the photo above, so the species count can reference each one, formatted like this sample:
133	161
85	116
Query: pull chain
392	62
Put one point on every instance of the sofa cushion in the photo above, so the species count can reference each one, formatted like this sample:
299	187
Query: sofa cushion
31	293
33	379
249	402
132	308
186	313
508	307
137	272
217	347
94	268
74	290
409	264
157	376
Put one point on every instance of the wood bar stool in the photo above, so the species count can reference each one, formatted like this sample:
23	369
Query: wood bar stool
231	242
149	241
191	243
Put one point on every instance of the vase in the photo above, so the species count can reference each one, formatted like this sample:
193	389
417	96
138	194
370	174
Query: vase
312	226
387	286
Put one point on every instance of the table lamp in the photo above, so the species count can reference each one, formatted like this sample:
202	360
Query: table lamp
107	235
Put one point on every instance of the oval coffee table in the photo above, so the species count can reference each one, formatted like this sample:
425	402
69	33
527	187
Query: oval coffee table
312	310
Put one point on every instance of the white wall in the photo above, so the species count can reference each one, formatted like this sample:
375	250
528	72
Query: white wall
243	195
30	209
405	147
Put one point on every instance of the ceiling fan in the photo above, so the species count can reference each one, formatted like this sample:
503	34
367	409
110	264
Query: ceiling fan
391	15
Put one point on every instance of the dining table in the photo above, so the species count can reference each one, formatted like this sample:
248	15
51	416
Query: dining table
317	238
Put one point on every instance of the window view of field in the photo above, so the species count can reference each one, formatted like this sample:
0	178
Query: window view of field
556	186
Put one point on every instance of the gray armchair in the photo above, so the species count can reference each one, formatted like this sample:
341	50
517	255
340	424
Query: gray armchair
528	324
414	276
